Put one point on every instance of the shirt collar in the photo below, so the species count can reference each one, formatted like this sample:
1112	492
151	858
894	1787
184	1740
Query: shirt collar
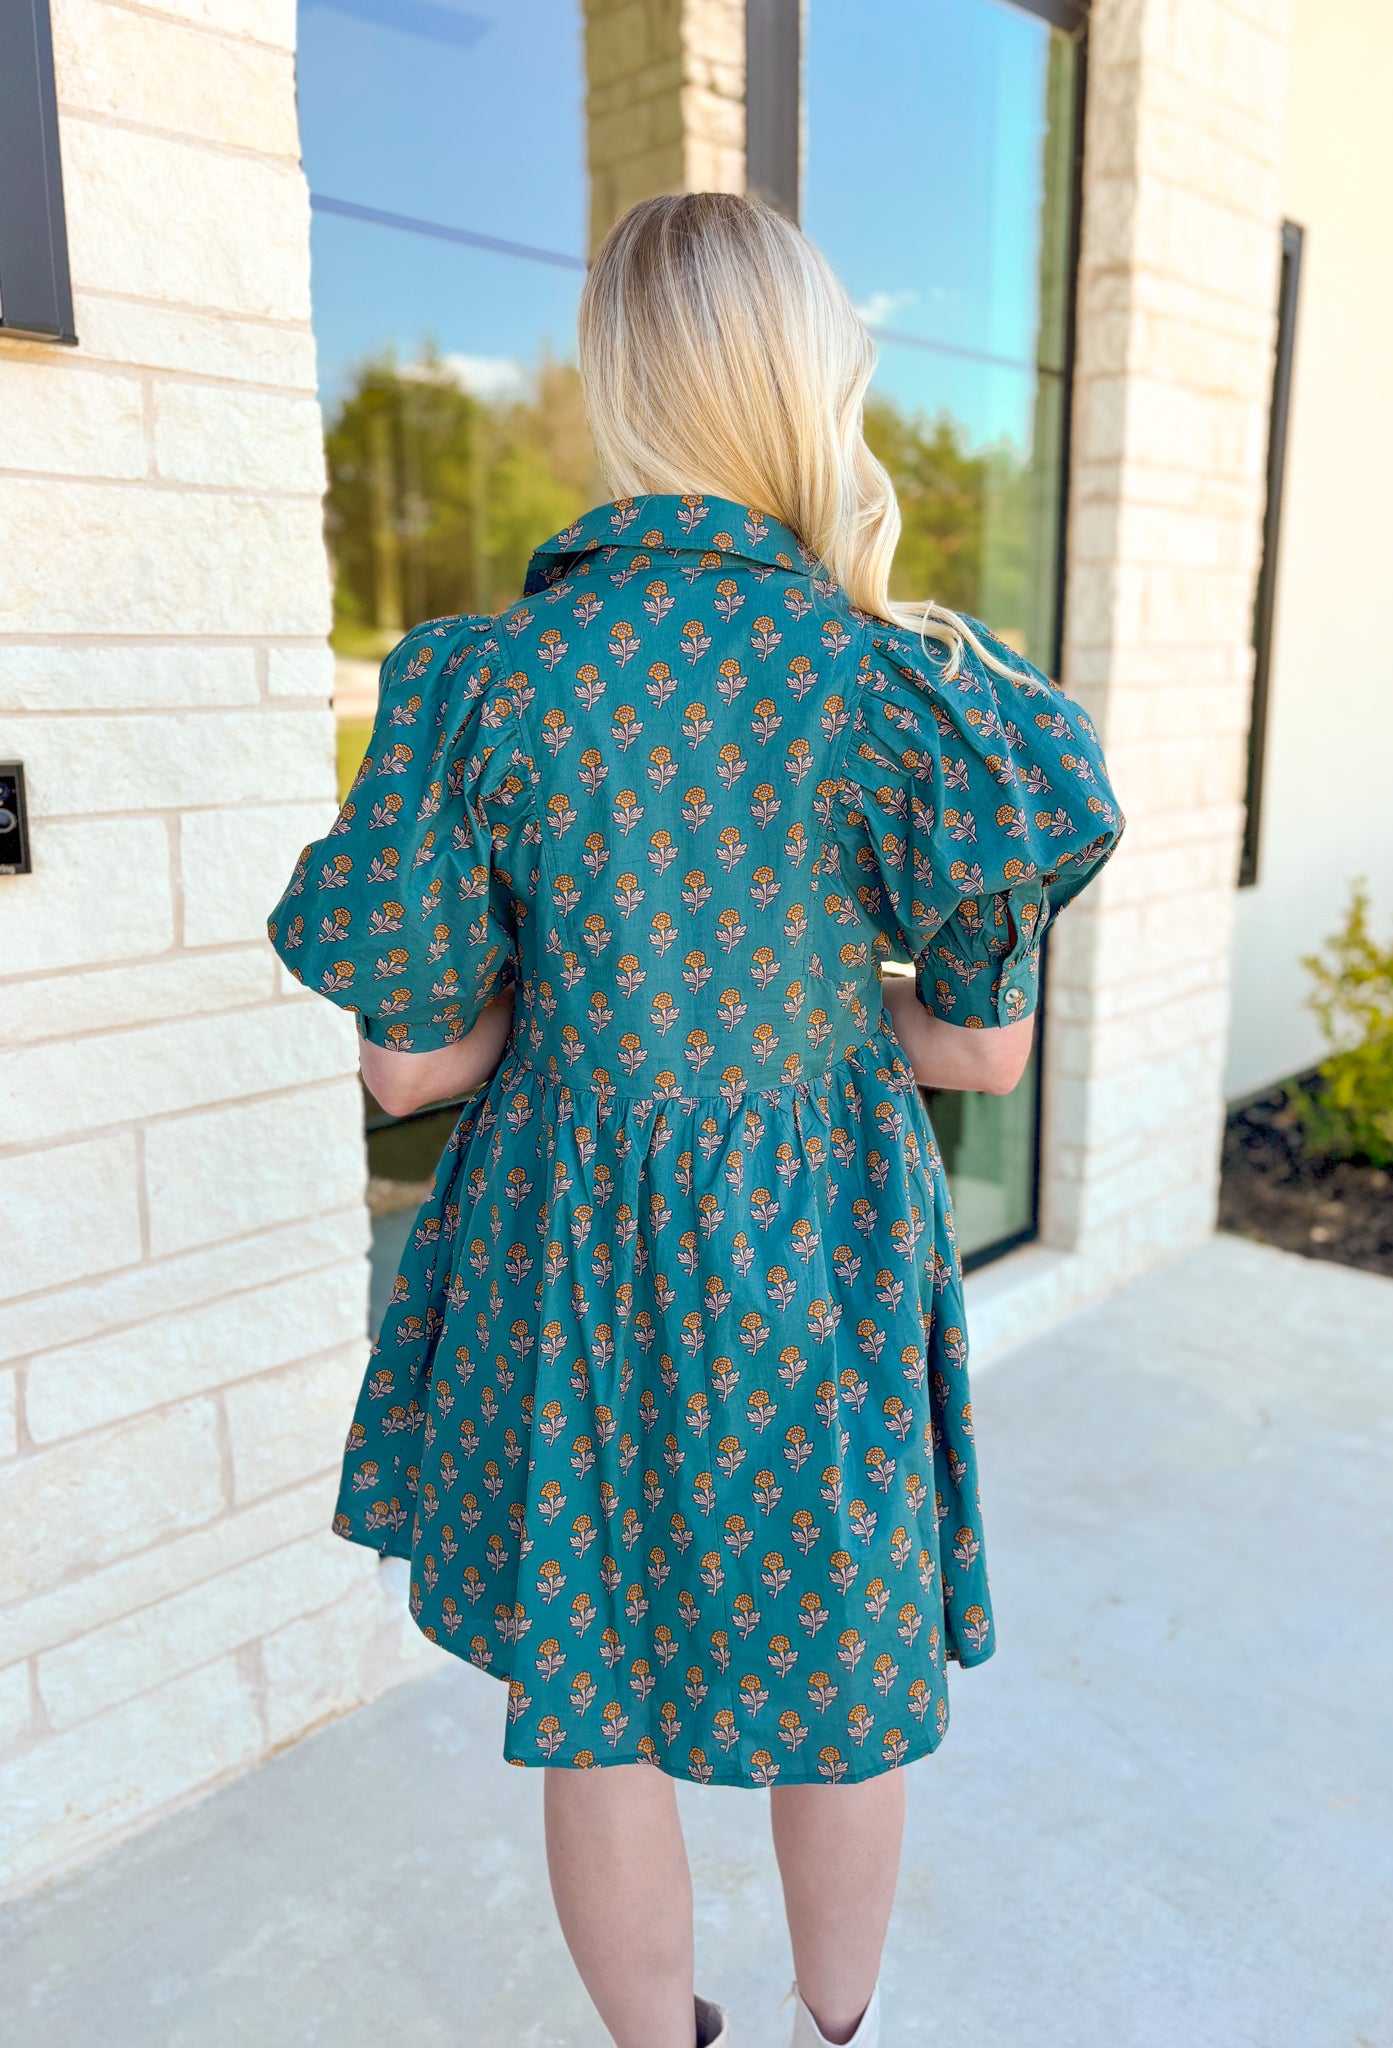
666	524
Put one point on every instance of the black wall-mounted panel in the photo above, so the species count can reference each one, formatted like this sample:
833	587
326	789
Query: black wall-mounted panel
35	291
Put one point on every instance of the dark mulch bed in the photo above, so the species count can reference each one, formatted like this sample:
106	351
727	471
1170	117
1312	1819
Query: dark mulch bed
1322	1208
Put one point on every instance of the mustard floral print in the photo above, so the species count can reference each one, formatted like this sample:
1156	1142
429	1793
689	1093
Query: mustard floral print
670	1409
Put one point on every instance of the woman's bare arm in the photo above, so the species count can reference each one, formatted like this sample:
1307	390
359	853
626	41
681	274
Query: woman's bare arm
942	1055
407	1081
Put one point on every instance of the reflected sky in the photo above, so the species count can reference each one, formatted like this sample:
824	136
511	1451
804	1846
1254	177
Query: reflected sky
924	126
922	182
467	115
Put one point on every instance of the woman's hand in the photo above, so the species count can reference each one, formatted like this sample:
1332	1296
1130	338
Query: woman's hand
403	1082
989	1062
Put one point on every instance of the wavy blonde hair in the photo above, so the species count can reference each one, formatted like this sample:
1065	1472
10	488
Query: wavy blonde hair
718	353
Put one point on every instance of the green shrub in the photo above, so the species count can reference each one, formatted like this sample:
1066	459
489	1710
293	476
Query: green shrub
1350	1115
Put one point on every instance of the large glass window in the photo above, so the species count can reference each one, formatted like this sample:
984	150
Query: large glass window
938	178
445	150
447	153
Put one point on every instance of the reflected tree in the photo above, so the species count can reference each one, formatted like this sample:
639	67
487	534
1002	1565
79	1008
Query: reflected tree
966	512
437	495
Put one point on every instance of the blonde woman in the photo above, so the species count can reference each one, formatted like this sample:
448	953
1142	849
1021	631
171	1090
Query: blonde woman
670	1412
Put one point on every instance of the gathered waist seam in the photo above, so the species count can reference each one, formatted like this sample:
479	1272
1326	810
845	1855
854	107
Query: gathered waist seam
808	1088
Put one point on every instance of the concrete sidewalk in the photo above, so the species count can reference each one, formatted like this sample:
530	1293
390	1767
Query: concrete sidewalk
1163	1817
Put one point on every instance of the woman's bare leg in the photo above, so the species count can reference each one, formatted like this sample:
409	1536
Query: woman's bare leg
623	1895
839	1856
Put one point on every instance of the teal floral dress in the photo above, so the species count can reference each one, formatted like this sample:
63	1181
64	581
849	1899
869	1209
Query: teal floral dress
670	1410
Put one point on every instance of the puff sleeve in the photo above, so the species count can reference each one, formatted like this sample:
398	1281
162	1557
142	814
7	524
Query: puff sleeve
976	807
408	910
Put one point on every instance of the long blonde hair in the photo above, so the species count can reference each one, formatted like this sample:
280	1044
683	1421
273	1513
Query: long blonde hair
718	353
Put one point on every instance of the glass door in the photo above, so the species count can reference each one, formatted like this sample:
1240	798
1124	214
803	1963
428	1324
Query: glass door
938	176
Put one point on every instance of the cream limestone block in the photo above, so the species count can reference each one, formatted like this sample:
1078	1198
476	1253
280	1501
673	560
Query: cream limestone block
1179	298
1187	153
188	1281
62	1005
1100	426
69	1213
67	420
285	1424
265	21
47	1091
69	1793
160	74
1216	250
171	761
128	330
236	241
82	1505
161	1574
234	865
16	1706
100	890
1202	540
1140	1106
1183	608
9	1418
142	1650
713	40
110	1377
330	1662
159	561
621	36
129	678
216	1174
1242	64
301	672
251	440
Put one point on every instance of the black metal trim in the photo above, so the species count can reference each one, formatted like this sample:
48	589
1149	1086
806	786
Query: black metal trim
23	864
774	103
36	299
1071	335
1069	15
438	230
1266	596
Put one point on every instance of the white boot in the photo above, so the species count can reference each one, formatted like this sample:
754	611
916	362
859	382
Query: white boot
808	2034
712	2030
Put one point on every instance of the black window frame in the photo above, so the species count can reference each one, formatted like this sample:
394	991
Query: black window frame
773	172
1265	597
36	299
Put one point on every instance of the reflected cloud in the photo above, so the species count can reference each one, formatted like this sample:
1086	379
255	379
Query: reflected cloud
491	378
876	310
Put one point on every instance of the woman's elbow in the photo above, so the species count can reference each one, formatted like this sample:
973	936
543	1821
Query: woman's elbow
394	1080
1003	1057
395	1093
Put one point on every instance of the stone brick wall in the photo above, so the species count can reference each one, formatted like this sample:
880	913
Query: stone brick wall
665	110
181	1163
1177	300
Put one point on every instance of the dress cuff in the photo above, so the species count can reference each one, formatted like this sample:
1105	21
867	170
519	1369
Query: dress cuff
983	969
417	1034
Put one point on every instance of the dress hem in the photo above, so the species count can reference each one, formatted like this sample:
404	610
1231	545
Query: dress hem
367	1540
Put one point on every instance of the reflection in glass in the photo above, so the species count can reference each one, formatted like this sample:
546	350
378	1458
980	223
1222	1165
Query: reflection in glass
938	178
454	432
940	138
